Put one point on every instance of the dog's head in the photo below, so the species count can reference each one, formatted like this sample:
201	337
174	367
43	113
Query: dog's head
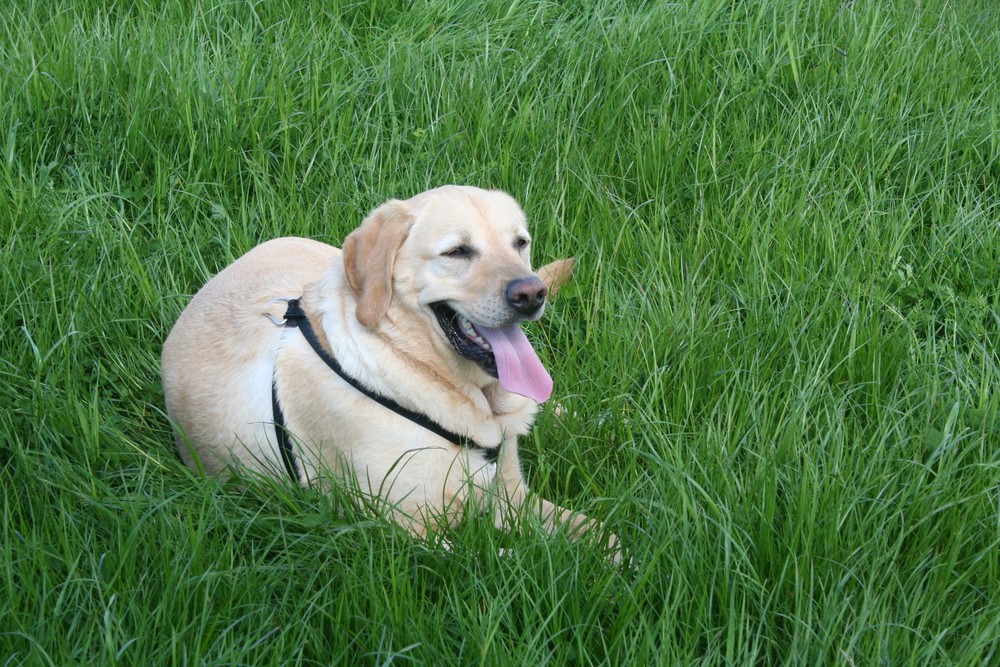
456	259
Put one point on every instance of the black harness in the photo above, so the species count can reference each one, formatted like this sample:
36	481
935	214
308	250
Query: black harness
296	317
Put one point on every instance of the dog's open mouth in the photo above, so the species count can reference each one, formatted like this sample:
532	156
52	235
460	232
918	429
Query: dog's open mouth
464	338
503	353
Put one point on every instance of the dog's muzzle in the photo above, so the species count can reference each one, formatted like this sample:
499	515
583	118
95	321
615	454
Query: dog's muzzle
462	335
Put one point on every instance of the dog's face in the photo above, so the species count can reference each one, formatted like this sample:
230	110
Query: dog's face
457	260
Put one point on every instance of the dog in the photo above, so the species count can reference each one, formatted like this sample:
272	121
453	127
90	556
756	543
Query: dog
397	363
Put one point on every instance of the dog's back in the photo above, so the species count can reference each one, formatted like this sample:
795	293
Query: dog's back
218	360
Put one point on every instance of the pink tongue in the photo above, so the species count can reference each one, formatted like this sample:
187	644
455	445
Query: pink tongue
520	369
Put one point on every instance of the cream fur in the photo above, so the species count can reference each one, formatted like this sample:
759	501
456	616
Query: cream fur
370	302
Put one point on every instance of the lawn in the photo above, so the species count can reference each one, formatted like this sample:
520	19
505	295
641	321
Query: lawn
778	361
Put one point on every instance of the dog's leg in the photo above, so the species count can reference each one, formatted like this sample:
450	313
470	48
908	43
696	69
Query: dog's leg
514	500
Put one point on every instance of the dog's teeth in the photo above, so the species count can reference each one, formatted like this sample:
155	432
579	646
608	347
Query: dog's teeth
471	333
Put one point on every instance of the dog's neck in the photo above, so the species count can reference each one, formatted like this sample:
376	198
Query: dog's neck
414	366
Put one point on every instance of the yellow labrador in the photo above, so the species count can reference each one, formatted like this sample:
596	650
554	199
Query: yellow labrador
397	362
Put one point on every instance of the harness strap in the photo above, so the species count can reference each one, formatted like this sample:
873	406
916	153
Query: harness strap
281	432
296	317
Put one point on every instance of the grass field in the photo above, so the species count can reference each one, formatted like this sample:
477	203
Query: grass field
778	358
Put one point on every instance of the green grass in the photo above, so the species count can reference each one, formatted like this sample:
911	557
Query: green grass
778	358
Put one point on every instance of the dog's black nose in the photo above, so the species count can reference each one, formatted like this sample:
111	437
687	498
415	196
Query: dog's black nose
526	295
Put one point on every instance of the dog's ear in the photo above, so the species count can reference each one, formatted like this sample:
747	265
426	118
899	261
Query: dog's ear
369	256
556	274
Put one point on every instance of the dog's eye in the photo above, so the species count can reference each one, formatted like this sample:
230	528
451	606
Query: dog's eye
459	252
520	243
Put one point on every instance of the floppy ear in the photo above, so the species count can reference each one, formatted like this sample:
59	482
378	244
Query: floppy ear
369	256
556	274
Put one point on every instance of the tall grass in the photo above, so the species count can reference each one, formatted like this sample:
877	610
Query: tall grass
778	361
